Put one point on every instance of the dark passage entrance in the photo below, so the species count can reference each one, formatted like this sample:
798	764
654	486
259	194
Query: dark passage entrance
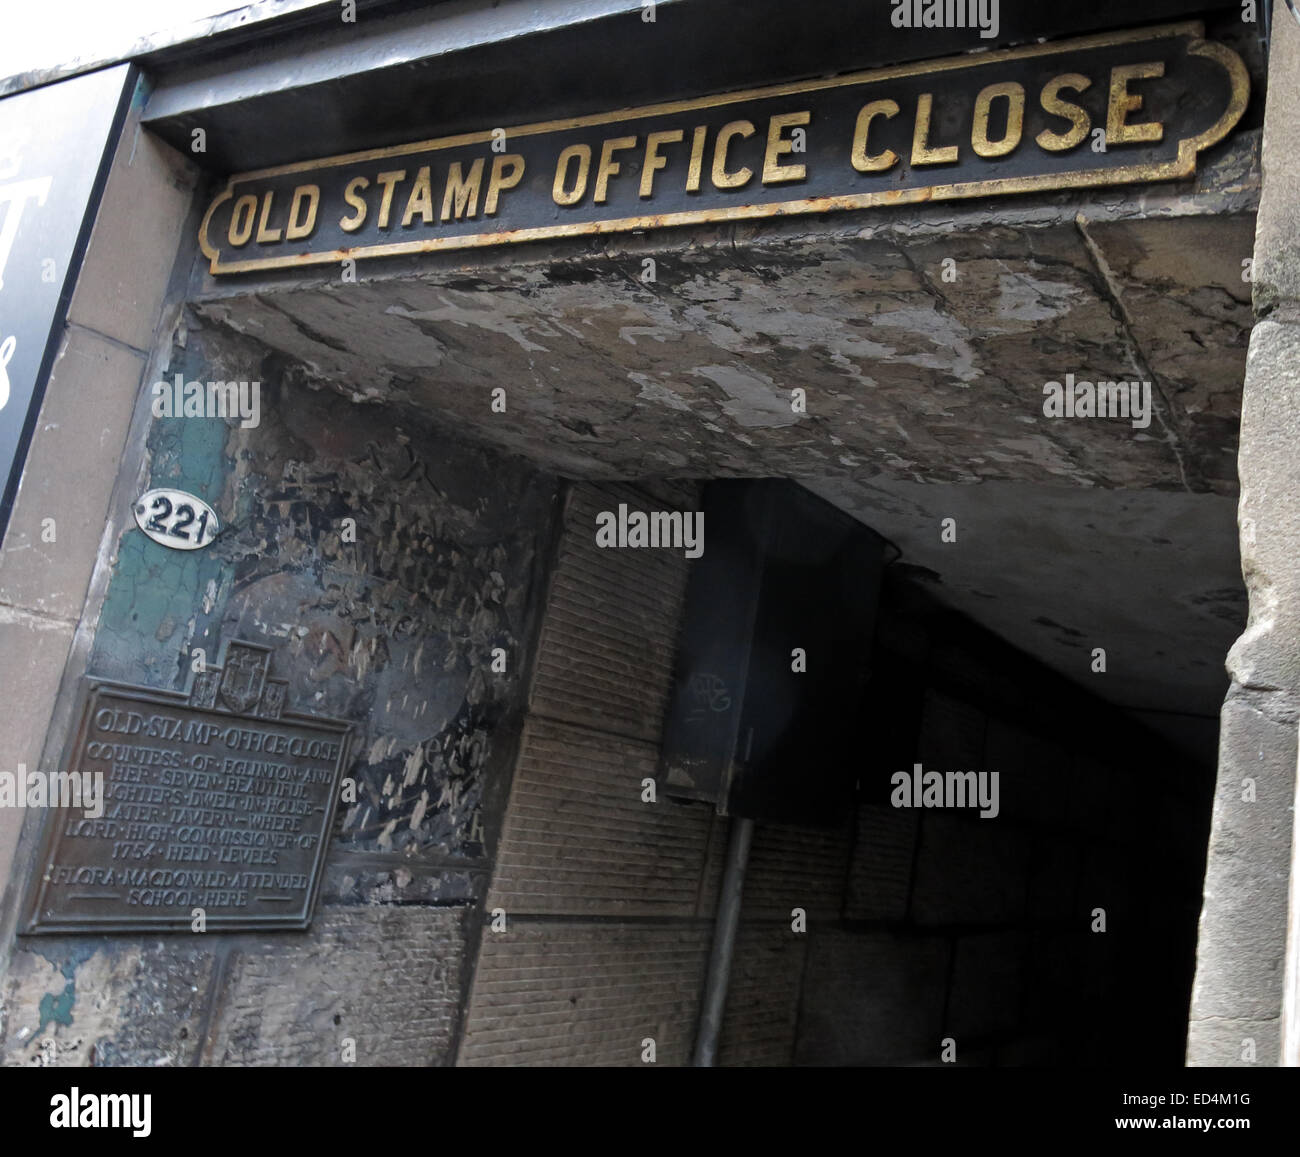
1043	598
1022	862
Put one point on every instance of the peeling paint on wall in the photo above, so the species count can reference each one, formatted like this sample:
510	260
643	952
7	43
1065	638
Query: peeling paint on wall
383	561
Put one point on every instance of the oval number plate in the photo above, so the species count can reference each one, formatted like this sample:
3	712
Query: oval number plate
176	519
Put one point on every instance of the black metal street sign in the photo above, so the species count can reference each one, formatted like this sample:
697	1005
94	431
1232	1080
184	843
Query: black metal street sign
1135	106
213	807
56	144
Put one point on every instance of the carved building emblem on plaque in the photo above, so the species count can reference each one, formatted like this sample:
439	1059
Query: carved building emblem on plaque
219	799
242	677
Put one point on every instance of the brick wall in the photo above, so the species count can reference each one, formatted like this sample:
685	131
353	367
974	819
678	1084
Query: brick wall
920	925
606	898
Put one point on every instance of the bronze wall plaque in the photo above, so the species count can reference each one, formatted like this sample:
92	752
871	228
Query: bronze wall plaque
974	125
217	799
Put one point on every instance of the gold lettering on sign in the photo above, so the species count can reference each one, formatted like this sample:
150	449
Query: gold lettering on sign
389	181
863	161
722	179
264	233
1123	102
1014	95
507	172
778	146
420	199
922	153
301	225
351	194
561	194
1077	115
653	161
241	231
993	123
608	166
695	170
460	198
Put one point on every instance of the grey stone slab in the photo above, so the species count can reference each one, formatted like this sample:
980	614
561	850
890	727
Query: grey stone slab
1241	948
1229	1042
1265	656
385	978
576	993
134	241
33	651
95	1001
1277	254
58	520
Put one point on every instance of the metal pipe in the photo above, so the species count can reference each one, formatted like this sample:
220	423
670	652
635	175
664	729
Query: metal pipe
724	942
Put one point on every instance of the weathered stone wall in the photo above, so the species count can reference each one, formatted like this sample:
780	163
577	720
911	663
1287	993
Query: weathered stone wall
392	628
51	565
1237	1003
393	632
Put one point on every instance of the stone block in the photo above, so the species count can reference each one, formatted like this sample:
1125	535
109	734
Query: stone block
385	978
1241	947
1277	254
106	1001
33	651
872	999
585	994
579	839
1265	656
133	243
1227	1043
69	476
